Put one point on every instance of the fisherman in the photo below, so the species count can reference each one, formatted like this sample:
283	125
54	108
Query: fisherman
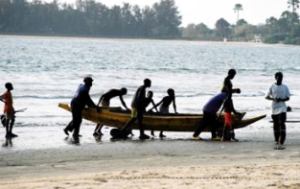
227	84
279	94
105	102
228	106
213	105
79	101
210	115
9	112
138	110
164	105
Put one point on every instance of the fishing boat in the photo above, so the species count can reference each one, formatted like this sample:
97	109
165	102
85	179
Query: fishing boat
116	117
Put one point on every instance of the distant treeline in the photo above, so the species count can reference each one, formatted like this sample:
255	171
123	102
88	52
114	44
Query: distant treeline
161	20
90	18
285	30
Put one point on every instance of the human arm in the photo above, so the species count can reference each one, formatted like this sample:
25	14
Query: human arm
2	97
282	99
123	102
236	90
174	106
271	97
90	102
227	87
100	100
153	106
156	105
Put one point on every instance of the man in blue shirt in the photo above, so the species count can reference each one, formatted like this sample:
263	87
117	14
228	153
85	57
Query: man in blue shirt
214	104
79	101
210	115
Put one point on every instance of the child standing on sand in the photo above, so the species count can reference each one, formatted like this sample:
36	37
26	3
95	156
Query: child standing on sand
228	131
9	111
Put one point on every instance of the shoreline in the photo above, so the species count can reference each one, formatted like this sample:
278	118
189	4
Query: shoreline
174	163
139	38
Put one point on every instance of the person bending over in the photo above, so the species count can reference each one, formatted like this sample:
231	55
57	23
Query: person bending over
104	101
79	101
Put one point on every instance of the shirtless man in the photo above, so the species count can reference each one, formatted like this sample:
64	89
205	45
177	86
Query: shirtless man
104	101
138	110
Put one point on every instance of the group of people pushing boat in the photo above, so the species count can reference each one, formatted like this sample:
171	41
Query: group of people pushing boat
138	107
278	93
222	102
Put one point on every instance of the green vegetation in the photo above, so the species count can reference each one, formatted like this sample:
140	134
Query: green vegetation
90	18
285	29
161	20
237	8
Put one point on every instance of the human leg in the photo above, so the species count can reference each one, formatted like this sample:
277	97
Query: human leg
68	128
282	128
7	127
126	130
11	125
152	133
203	123
77	119
276	128
97	131
140	115
212	122
161	135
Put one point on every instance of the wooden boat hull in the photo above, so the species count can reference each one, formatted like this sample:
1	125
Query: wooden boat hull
115	117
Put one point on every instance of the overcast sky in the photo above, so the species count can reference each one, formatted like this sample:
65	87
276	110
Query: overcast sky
208	11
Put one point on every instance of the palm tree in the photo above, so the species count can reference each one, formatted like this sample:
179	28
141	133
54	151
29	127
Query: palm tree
294	4
237	8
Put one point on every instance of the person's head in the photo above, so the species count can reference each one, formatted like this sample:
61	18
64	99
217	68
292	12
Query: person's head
231	73
147	82
149	94
171	92
88	81
123	91
9	86
279	77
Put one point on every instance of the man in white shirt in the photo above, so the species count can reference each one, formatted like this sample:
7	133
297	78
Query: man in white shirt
279	94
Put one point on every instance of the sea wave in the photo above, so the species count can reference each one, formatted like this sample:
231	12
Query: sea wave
43	97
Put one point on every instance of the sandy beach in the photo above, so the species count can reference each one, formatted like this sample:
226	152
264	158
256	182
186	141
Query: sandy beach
172	163
46	71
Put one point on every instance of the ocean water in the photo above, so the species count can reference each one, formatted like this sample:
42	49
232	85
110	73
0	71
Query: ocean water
48	70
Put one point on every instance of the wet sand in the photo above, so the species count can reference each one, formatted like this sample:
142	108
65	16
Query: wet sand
171	163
